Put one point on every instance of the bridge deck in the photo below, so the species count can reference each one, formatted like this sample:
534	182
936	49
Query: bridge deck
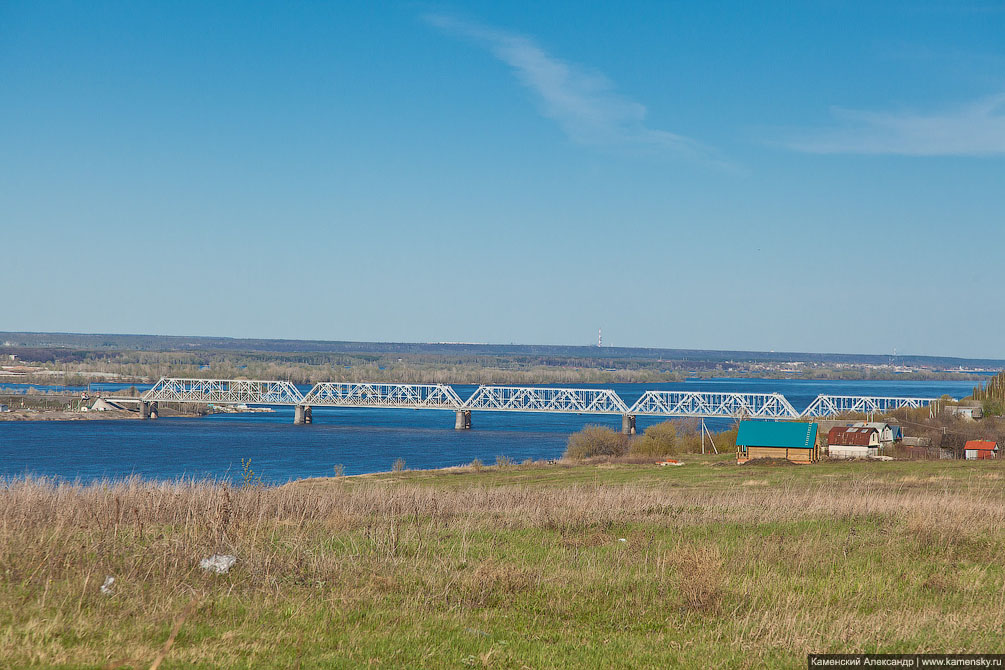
698	404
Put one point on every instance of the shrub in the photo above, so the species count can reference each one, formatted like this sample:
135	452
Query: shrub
248	476
993	407
398	465
596	441
672	438
504	461
660	439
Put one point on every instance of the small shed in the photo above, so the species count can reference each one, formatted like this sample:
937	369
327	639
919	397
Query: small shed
978	450
793	441
853	442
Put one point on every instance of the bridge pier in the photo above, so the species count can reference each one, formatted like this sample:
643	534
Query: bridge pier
463	421
144	410
154	413
628	424
302	415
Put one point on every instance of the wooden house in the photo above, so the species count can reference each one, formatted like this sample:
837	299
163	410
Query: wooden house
793	441
978	450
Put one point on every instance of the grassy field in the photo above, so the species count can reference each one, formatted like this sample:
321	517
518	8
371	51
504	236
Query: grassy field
626	566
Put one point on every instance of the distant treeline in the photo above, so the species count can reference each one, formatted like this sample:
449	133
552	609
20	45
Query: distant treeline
80	366
313	367
689	358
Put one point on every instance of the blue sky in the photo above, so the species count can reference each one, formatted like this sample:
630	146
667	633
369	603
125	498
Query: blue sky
821	176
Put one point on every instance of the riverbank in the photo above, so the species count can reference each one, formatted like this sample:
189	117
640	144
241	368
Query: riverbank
75	415
65	415
66	407
706	565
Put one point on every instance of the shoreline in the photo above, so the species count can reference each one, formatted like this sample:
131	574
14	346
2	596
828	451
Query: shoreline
26	416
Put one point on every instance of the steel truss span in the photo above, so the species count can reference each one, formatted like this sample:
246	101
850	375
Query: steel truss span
224	392
714	404
401	396
536	399
831	405
704	404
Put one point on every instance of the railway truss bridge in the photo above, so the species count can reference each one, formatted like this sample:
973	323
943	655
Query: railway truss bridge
670	404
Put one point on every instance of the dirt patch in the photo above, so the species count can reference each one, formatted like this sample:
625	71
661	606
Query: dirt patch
777	462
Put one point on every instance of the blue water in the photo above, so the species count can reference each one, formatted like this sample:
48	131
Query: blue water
362	440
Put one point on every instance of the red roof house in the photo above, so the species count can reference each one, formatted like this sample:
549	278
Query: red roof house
978	450
853	436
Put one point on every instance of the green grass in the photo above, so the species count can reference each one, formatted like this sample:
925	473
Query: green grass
706	472
521	566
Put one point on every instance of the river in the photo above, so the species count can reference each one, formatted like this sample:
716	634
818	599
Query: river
361	440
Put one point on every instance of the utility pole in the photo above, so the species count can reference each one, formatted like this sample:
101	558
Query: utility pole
704	432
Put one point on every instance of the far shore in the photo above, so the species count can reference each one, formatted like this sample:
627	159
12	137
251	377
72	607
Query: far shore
18	414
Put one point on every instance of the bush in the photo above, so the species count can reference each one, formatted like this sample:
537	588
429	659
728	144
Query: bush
597	441
993	407
672	438
661	439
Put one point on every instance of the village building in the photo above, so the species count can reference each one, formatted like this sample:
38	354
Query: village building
853	442
966	412
793	441
888	432
978	450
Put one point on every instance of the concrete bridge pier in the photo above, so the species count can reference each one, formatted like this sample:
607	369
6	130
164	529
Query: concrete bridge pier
628	424
144	409
463	421
154	412
302	415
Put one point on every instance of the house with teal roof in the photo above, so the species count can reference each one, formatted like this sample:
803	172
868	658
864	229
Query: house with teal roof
794	441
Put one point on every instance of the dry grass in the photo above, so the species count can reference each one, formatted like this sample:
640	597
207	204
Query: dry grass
392	573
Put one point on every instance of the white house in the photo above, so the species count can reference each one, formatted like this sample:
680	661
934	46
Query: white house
853	442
